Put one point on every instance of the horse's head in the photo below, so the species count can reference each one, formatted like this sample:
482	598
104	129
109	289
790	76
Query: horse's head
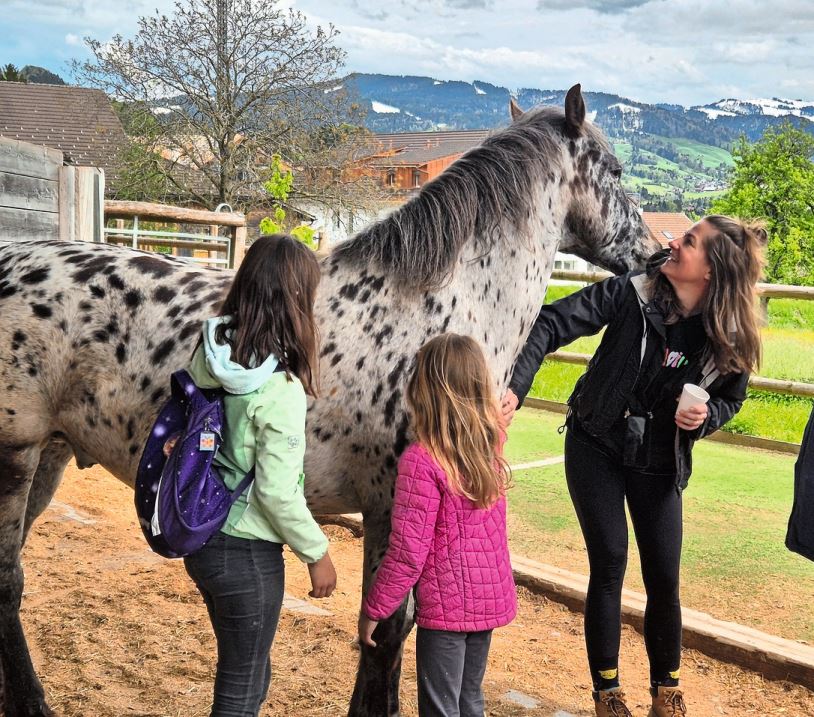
601	224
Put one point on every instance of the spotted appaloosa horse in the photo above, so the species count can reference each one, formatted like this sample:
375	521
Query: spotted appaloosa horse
89	334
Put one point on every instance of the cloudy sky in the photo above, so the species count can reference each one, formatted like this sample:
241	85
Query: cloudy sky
684	51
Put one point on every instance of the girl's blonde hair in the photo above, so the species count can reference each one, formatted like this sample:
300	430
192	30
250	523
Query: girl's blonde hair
456	417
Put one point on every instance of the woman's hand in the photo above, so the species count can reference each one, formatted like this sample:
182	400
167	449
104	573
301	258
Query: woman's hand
508	406
323	577
690	418
366	628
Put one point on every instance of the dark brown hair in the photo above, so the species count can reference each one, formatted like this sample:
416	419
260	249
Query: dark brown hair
735	252
270	306
456	417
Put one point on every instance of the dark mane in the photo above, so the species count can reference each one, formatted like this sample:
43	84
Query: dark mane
480	195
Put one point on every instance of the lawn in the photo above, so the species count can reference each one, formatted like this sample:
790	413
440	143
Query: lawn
788	353
735	565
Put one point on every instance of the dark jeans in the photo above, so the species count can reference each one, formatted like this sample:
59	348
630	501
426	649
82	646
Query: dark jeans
599	485
450	668
242	584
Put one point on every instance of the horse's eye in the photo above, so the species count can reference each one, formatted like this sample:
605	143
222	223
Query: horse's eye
617	172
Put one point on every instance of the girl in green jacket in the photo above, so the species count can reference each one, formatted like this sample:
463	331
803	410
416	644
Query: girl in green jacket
262	350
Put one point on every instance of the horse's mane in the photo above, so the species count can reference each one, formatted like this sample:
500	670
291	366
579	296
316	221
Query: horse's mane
481	194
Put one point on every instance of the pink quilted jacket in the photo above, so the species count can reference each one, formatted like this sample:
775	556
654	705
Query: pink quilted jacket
456	554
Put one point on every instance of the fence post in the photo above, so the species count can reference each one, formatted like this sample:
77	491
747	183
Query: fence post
238	246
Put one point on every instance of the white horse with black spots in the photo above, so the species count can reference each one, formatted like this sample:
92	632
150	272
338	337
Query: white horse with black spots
90	333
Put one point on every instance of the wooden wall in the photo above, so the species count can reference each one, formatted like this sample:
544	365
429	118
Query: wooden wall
41	199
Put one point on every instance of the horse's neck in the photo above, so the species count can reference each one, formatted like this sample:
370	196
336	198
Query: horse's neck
506	287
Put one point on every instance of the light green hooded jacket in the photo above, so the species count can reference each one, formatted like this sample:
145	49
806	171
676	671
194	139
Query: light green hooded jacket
265	427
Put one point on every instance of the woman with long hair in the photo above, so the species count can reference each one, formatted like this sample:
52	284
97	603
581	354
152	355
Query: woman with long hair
448	534
262	350
691	318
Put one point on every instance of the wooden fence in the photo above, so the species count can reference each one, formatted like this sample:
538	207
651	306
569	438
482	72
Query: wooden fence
42	199
207	247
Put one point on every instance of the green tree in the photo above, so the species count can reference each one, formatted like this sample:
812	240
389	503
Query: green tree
278	185
10	73
230	83
773	180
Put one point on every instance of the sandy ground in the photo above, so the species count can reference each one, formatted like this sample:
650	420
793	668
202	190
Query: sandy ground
117	631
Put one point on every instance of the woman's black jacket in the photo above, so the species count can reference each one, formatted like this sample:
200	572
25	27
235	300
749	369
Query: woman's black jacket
634	342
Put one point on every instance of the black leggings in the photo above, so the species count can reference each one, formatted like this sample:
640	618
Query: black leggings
598	486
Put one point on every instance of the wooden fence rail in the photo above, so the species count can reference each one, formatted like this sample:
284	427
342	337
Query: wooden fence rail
210	241
770	291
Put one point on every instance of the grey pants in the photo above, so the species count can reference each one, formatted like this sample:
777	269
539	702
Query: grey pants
450	668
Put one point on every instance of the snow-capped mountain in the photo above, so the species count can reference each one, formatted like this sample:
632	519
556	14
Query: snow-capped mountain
774	107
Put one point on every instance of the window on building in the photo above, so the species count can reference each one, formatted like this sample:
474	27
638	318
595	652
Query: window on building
391	178
350	222
416	177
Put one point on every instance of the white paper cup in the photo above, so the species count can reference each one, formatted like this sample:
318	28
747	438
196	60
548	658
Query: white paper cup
691	395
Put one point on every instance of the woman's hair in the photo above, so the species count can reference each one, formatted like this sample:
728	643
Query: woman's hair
735	252
456	417
270	306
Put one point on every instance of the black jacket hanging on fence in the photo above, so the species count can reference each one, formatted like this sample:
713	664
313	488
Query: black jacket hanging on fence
800	536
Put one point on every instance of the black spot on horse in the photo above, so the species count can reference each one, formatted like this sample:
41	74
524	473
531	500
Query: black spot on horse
390	407
132	299
11	412
360	363
97	291
76	258
163	350
35	276
7	290
101	336
145	382
116	282
173	312
384	334
131	430
90	268
349	291
158	268
133	449
42	311
377	392
329	348
157	395
191	328
163	294
336	359
121	353
194	286
395	374
401	436
19	337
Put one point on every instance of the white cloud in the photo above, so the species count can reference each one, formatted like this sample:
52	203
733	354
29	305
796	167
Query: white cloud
71	39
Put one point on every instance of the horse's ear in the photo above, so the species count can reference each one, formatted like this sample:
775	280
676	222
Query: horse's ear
515	110
574	111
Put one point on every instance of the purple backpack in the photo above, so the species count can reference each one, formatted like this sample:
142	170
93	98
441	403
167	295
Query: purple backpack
181	500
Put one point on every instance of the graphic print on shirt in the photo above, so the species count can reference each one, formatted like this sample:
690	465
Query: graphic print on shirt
673	359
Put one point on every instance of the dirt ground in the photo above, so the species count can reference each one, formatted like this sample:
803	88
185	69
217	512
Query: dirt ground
116	631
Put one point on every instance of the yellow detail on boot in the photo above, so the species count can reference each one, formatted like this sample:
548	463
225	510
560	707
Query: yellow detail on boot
609	674
674	675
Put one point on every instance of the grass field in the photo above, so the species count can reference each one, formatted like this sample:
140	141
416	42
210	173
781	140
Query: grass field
788	353
735	565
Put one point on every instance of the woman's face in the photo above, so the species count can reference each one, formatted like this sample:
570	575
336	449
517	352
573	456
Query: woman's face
688	263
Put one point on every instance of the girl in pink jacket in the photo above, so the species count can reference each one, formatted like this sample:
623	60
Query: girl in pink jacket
448	538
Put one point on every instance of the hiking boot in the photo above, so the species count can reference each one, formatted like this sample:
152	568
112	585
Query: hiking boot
668	702
611	703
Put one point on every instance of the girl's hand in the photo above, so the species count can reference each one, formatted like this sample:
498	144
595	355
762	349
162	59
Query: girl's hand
323	577
366	628
690	418
508	406
170	444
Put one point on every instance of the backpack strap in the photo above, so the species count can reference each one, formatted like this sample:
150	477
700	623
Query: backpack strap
248	478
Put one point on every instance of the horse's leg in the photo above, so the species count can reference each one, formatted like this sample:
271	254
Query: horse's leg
23	695
53	461
376	693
